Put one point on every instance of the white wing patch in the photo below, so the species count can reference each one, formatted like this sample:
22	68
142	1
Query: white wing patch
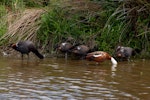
122	49
97	55
64	44
78	48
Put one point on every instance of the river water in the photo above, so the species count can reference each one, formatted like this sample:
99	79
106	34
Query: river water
60	79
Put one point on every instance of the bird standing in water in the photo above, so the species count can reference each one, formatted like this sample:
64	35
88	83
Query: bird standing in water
124	53
100	56
25	47
65	48
80	50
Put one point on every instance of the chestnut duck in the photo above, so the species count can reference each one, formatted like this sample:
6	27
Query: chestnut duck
100	56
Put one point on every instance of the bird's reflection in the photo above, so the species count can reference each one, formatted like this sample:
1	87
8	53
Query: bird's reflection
113	70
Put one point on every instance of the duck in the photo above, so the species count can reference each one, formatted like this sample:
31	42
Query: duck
100	56
64	47
25	47
80	50
124	53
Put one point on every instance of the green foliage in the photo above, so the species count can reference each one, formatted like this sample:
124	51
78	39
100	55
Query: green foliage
36	3
107	22
128	25
3	26
109	26
58	24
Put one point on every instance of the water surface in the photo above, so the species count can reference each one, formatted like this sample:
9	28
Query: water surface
57	79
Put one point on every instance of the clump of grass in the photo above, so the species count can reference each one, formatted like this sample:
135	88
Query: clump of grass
24	27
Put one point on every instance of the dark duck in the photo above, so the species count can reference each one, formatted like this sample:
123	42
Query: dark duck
124	53
25	47
80	51
100	56
64	47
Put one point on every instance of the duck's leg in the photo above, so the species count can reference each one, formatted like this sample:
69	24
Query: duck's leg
28	56
22	56
66	54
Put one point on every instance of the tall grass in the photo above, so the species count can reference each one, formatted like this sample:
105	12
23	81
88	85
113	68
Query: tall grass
102	23
18	20
115	23
65	21
128	25
107	23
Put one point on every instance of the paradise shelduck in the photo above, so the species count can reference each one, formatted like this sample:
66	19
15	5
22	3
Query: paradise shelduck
124	53
80	50
100	56
25	47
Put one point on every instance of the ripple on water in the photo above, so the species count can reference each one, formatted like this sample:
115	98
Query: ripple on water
51	80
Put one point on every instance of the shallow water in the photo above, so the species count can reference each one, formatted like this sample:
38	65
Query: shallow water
57	79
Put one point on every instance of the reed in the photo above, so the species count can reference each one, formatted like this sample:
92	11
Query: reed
24	27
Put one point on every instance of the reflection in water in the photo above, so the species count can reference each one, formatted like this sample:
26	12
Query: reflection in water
58	79
113	69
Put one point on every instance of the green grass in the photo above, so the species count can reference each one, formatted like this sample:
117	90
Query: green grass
105	22
3	26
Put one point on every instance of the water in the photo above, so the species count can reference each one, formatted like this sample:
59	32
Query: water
60	79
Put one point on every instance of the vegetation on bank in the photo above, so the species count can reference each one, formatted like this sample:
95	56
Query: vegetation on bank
101	23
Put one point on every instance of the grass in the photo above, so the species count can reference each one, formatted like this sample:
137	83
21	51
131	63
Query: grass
3	25
104	24
25	27
81	25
